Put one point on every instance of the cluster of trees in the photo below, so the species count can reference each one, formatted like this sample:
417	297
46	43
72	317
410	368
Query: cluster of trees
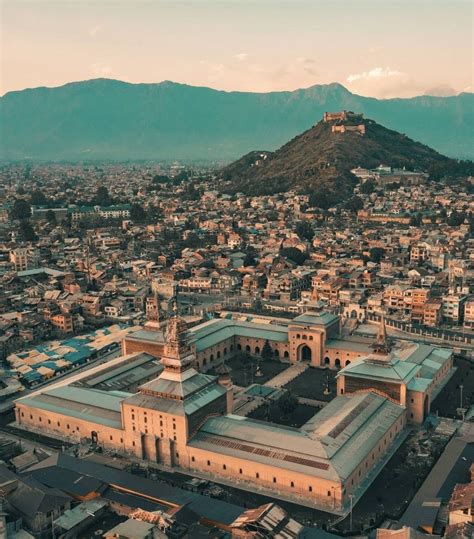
21	211
304	230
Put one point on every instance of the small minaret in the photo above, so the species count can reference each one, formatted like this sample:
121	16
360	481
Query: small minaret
382	343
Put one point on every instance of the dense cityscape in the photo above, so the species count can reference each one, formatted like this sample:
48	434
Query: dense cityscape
106	289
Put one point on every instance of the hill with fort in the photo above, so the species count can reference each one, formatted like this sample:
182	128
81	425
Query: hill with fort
319	160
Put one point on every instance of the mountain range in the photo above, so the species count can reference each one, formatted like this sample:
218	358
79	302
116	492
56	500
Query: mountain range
105	119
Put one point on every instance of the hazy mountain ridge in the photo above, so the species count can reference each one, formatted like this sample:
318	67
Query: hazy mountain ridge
107	119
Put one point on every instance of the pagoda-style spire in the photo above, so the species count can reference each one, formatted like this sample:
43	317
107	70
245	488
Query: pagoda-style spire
177	352
382	343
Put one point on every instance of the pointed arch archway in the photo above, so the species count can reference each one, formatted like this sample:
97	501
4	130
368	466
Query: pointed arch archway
304	353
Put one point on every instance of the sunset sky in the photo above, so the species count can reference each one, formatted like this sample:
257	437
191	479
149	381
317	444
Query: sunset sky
380	48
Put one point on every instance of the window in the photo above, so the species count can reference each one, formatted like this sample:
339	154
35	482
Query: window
59	424
257	475
240	471
121	440
133	443
329	492
193	459
274	479
224	467
67	426
145	419
40	420
49	422
133	417
292	484
111	437
208	462
310	488
31	417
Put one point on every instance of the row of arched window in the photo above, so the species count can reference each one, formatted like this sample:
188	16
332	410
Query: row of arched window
304	337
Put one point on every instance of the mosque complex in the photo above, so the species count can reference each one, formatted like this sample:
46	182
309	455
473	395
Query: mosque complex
159	403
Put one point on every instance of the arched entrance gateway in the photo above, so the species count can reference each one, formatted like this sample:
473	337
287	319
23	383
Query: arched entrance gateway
304	353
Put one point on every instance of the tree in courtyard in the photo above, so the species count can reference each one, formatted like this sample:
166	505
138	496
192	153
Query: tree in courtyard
267	352
287	403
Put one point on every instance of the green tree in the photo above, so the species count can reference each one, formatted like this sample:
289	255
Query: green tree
137	213
267	352
456	218
287	403
38	198
376	254
27	232
416	219
51	217
304	230
249	260
21	209
367	187
323	199
354	204
102	197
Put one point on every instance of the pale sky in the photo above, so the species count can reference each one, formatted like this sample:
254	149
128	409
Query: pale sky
380	48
